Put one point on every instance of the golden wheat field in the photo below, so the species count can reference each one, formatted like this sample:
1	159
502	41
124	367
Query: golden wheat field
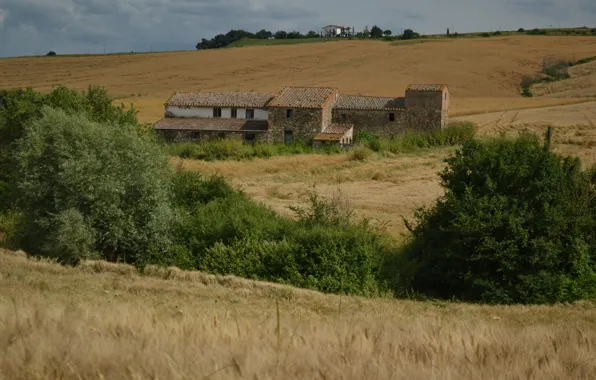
104	321
483	73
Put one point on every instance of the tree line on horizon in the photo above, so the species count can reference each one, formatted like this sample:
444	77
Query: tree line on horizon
223	40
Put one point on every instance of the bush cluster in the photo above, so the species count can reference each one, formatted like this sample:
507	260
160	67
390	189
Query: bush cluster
454	134
236	150
324	249
517	223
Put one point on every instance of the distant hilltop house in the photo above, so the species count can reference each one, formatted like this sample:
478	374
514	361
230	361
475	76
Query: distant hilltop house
307	114
337	31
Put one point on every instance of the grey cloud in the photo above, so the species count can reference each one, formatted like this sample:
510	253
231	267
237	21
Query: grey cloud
70	26
406	14
533	7
588	6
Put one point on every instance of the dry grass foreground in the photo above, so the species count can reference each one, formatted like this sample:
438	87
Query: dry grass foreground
103	321
483	73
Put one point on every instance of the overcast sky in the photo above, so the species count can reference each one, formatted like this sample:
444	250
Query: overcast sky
29	27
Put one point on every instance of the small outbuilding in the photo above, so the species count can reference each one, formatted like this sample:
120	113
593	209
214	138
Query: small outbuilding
341	134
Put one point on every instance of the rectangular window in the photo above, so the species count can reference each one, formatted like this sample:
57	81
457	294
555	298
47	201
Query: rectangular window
195	135
216	112
288	137
344	117
234	113
391	116
250	114
288	114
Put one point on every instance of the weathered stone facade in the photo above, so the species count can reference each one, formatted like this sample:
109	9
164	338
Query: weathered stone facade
427	110
179	136
304	123
377	122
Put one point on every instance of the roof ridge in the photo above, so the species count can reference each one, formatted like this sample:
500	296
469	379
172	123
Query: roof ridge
372	96
324	87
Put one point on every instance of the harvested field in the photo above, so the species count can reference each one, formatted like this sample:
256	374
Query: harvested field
384	188
484	74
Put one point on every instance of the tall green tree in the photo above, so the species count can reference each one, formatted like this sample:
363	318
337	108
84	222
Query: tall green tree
376	32
86	186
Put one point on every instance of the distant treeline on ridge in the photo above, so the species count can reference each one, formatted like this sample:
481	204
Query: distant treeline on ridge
223	40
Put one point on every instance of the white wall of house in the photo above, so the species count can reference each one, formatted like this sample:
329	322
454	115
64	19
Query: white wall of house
207	112
331	30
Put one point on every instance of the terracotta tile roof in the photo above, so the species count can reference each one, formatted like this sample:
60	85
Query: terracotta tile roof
302	97
195	124
220	99
357	102
328	136
334	132
339	128
426	87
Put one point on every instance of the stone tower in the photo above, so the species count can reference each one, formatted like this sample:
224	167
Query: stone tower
427	106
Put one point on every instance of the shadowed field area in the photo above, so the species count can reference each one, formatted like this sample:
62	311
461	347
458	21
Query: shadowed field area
103	321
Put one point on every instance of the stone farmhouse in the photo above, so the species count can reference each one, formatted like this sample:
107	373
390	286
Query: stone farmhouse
308	114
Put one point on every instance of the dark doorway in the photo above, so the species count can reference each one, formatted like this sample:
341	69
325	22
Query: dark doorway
288	137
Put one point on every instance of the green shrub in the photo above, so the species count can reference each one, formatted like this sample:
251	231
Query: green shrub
454	134
325	249
10	225
236	150
19	106
71	239
360	154
70	170
517	224
527	92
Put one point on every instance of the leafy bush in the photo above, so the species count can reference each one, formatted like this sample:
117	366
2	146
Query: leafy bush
10	221
19	106
517	224
236	150
104	176
226	233
456	133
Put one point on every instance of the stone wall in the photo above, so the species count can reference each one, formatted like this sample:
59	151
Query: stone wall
304	123
376	122
179	136
416	99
